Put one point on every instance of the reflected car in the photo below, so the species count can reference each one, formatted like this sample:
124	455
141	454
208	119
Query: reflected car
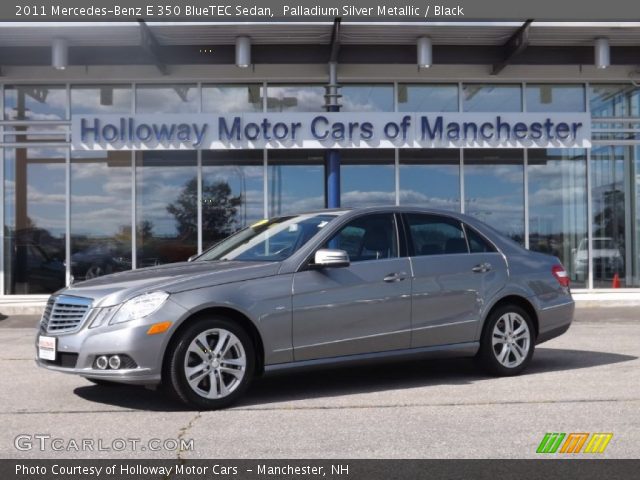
332	287
607	258
100	259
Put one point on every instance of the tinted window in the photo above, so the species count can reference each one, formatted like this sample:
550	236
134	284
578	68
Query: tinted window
434	235
372	237
477	243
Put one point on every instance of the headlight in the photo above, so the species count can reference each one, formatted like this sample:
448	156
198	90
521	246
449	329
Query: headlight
139	307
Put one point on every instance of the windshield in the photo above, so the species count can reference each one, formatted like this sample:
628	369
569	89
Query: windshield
269	240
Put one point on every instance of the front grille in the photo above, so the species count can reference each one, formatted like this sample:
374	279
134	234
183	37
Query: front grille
64	314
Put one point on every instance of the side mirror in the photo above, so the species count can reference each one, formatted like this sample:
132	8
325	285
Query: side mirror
192	257
328	257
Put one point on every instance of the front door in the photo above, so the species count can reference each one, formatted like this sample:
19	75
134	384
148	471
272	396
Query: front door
365	307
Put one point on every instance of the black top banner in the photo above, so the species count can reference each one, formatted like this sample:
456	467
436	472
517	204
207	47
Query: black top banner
317	10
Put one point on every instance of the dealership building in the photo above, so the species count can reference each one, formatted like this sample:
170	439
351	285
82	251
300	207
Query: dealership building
127	145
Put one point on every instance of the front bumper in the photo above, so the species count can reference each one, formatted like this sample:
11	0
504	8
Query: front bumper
80	349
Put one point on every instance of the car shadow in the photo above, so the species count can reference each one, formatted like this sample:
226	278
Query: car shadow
354	380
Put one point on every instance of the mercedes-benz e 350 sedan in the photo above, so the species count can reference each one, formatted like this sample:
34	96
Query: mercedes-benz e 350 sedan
320	288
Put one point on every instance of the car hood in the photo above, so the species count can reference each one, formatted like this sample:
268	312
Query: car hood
172	278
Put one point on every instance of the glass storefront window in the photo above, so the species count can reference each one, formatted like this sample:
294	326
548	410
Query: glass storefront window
366	98
428	97
166	206
100	213
35	220
173	98
295	181
231	98
483	97
547	97
558	208
295	98
35	102
430	178
614	100
232	192
100	99
367	177
615	239
494	189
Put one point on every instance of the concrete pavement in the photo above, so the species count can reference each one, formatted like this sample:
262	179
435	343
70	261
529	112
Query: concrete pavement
585	381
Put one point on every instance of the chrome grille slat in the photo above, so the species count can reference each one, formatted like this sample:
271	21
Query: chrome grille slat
64	314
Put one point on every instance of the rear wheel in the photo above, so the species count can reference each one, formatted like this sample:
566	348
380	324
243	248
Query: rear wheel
211	364
508	341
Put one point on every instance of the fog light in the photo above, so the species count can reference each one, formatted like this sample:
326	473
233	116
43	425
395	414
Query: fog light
114	362
102	362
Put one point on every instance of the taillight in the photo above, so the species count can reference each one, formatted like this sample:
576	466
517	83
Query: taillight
560	275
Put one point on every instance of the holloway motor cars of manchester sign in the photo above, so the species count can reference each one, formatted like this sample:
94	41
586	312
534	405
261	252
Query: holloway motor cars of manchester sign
331	130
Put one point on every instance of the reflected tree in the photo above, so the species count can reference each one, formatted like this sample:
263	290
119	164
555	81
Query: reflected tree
219	209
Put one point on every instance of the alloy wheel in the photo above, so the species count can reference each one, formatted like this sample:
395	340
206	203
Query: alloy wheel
511	340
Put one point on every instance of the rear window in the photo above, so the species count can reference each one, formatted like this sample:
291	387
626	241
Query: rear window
435	235
477	243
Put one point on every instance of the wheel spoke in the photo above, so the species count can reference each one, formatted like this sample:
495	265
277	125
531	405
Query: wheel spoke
202	342
238	373
221	344
213	387
197	375
239	362
197	350
504	354
518	352
498	338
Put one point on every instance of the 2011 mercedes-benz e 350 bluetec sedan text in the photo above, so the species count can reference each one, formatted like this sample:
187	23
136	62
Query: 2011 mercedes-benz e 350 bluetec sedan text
327	287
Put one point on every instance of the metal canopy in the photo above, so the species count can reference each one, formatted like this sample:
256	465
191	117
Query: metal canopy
163	44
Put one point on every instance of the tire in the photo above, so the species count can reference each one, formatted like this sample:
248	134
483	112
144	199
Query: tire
219	357
104	383
496	337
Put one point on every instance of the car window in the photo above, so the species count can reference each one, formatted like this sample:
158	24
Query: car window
372	237
435	235
477	243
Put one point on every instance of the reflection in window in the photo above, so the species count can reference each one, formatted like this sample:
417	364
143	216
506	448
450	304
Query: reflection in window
430	178
558	208
178	98
295	98
615	100
34	196
366	98
231	98
479	97
296	181
367	177
232	192
86	99
436	235
494	189
100	213
428	98
613	231
166	206
35	103
546	97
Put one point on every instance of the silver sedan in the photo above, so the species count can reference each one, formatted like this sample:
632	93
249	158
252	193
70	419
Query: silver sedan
310	290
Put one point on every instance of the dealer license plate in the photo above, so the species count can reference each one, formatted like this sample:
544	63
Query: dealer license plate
47	348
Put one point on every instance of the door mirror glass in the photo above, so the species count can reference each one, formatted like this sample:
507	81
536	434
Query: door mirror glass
327	257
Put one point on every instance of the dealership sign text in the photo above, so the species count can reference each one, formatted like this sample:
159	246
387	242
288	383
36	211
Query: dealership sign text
331	130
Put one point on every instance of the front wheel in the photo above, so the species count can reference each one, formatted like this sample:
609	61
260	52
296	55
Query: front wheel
508	341
211	364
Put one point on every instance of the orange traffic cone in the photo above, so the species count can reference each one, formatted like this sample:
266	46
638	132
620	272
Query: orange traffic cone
616	281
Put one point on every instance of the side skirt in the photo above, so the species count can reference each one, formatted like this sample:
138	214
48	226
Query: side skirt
440	351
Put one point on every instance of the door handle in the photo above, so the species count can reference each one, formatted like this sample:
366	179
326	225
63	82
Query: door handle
395	277
482	268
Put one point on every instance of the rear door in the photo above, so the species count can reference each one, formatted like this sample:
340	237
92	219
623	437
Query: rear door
453	277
